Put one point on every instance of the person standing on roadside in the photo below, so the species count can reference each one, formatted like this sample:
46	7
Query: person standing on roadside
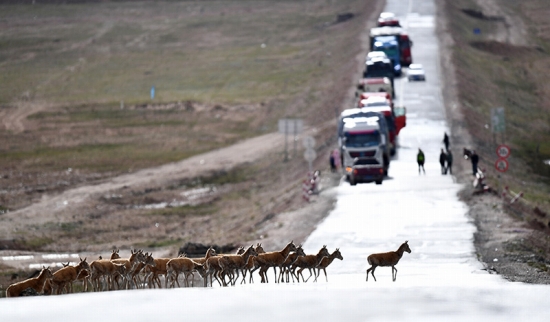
420	160
475	159
332	162
337	159
446	141
443	162
449	162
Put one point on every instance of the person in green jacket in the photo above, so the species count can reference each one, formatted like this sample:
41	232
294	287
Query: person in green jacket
420	160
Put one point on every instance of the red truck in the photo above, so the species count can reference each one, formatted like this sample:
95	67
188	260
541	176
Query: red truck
388	19
395	122
366	95
399	112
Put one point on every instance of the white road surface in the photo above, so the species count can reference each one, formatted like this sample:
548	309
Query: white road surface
441	280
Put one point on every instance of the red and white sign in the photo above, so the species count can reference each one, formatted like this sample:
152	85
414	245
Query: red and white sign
501	165
503	151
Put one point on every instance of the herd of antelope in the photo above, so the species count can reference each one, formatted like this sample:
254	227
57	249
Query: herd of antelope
141	270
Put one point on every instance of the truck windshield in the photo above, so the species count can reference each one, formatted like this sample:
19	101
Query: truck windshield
362	140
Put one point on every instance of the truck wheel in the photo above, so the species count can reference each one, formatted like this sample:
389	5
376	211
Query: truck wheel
352	182
378	181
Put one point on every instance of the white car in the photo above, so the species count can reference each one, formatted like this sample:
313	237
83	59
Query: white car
416	73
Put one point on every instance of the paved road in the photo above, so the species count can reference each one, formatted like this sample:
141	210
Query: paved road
440	280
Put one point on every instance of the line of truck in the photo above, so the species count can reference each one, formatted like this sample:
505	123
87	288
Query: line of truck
367	132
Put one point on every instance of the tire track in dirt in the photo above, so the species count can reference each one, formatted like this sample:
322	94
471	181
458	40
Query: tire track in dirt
13	118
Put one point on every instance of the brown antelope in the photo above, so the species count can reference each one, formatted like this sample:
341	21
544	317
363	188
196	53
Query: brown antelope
101	269
230	263
213	268
140	267
153	272
202	260
178	265
106	269
84	276
65	277
136	257
36	283
387	259
291	259
326	262
273	259
114	254
310	262
227	271
252	264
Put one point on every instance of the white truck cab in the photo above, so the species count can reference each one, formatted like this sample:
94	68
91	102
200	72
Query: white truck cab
362	146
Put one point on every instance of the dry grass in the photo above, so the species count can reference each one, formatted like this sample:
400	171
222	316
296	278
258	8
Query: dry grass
215	84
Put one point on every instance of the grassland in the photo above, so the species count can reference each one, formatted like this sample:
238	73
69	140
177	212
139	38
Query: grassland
76	109
76	79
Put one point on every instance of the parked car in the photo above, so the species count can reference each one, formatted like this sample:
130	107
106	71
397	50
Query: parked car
365	170
416	73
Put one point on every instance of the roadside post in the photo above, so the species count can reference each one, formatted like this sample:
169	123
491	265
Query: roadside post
290	126
501	164
498	125
309	153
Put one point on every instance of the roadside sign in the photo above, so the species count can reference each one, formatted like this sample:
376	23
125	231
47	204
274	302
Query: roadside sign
498	123
501	165
308	142
503	151
310	155
291	126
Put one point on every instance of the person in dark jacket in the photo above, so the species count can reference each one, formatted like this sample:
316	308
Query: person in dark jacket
475	159
420	160
449	162
443	162
332	163
446	141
